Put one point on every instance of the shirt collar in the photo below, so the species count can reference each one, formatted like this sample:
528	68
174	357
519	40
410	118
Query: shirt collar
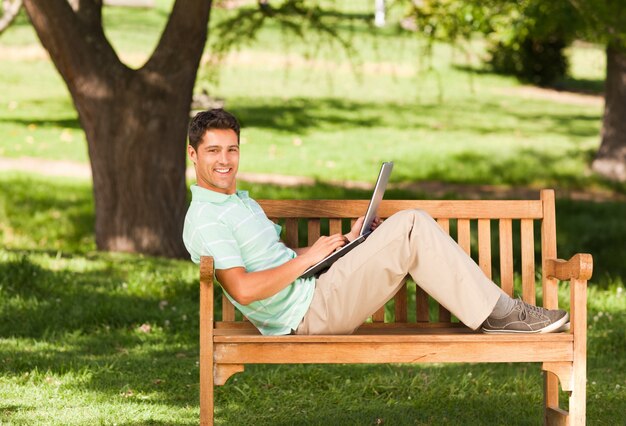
202	194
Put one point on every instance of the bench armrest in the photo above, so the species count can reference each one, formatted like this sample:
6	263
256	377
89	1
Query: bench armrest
579	267
206	269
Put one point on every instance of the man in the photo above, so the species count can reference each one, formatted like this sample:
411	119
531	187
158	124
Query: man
260	275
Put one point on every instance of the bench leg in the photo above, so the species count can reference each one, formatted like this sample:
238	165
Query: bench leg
553	415
206	344
206	394
578	398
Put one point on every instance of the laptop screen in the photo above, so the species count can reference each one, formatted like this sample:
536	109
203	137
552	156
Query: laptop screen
377	196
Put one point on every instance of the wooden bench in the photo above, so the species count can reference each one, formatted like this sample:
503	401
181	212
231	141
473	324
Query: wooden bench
413	333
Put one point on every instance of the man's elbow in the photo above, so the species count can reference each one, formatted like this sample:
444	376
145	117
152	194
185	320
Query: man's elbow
242	297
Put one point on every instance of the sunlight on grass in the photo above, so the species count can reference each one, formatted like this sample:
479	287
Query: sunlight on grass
101	338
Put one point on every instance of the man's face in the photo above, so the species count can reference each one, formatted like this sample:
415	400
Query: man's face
217	160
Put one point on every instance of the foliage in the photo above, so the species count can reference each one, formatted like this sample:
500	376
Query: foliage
526	38
600	21
303	22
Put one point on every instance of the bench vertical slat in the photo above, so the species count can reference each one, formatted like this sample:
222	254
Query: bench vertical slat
313	231
228	309
400	304
421	305
528	261
506	256
444	314
334	226
463	235
484	246
379	315
444	224
550	290
548	248
291	232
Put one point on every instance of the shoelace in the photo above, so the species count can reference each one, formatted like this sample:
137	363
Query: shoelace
527	309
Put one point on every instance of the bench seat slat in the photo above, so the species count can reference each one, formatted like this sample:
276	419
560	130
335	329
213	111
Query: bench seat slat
223	328
441	335
387	349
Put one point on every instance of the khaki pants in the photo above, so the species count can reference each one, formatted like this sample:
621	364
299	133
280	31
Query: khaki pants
408	243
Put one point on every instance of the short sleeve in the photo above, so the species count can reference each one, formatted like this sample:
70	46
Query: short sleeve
218	241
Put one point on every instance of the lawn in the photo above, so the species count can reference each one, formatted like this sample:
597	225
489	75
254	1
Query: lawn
100	338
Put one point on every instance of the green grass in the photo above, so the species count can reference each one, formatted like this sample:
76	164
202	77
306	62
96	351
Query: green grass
97	338
337	115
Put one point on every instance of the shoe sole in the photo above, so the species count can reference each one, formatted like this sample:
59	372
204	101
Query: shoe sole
551	328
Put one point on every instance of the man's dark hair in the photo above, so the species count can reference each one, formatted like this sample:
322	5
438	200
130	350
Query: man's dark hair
211	119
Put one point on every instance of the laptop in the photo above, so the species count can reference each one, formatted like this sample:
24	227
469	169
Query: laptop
366	229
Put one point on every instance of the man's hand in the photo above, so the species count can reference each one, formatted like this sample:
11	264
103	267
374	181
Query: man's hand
356	228
323	247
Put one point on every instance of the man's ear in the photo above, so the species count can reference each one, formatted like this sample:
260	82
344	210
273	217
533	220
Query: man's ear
193	155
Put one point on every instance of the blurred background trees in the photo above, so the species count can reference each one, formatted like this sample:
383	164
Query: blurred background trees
139	191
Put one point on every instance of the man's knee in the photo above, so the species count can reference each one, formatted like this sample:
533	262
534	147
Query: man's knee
412	216
405	221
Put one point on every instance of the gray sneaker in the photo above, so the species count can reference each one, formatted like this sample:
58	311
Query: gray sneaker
526	318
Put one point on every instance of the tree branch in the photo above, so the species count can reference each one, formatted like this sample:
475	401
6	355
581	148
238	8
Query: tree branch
182	42
76	44
10	12
89	12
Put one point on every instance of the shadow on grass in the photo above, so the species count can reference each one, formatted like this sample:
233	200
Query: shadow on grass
57	217
586	86
526	168
84	322
300	115
38	213
130	321
71	123
41	300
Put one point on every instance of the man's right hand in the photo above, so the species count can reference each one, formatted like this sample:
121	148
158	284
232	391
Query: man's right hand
323	247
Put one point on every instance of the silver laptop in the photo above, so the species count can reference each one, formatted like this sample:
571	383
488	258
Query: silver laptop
366	229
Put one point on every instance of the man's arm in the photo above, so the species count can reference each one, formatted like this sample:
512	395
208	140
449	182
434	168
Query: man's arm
247	287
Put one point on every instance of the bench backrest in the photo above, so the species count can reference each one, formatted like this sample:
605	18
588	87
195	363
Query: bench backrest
498	233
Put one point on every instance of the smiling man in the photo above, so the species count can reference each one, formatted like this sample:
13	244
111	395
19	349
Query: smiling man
261	275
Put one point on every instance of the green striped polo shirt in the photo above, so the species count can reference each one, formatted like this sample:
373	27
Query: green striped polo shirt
236	232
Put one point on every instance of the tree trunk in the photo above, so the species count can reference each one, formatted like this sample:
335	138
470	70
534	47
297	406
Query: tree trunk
137	153
135	121
610	160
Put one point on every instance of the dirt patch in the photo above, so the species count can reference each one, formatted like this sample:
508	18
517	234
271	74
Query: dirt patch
435	189
531	92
